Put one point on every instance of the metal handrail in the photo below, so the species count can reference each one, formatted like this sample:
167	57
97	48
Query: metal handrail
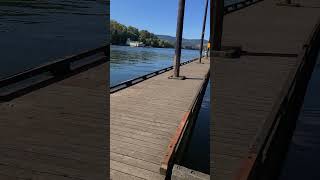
239	5
57	69
53	66
139	79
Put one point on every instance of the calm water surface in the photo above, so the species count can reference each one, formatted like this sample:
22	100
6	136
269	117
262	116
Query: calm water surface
130	62
302	159
33	32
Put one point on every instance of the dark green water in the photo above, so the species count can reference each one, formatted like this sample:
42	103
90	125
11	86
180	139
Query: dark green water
33	32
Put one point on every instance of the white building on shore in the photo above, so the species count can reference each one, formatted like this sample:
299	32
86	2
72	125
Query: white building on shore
134	43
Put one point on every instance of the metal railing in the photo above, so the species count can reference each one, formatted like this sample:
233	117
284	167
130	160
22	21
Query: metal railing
139	79
239	5
25	81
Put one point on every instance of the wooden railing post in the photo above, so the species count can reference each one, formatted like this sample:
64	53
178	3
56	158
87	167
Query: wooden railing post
203	29
216	16
211	31
177	57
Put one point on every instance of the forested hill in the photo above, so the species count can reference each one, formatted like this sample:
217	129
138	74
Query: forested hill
120	33
186	43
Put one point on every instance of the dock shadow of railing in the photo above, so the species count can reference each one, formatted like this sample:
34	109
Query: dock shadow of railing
43	75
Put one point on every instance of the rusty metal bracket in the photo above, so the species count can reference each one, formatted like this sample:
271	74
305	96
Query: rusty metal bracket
228	52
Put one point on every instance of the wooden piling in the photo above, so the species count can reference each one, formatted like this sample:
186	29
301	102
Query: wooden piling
203	28
176	63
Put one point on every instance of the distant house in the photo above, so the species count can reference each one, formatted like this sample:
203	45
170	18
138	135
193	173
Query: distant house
134	43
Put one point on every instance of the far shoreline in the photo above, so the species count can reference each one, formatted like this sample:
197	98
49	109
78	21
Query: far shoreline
152	47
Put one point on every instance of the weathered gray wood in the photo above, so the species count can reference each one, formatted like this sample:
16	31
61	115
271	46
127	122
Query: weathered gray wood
177	57
144	118
245	89
57	132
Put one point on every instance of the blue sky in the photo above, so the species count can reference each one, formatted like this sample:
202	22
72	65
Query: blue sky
160	16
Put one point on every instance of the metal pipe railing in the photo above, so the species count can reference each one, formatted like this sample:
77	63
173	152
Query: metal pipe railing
139	79
14	85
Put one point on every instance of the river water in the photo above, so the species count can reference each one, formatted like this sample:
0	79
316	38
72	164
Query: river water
127	62
33	32
302	158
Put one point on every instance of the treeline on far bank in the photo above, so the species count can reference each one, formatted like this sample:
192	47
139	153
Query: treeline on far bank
120	33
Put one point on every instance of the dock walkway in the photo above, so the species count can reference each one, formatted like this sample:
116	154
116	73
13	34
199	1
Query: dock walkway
145	117
57	132
246	89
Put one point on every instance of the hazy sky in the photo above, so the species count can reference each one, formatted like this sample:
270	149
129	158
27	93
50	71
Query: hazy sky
160	16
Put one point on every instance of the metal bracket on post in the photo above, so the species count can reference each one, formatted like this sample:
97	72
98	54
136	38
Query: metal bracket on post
228	52
61	69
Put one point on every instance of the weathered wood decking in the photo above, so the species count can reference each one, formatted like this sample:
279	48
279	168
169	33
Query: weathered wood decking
144	117
57	132
246	89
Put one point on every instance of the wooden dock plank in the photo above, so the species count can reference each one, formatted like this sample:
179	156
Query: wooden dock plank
144	118
59	131
245	89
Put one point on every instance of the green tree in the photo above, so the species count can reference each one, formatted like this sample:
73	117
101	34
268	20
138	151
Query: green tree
120	33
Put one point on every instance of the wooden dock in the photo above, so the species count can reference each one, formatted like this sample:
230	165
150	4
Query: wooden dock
57	131
146	120
249	90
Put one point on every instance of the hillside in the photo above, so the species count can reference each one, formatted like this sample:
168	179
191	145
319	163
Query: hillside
194	43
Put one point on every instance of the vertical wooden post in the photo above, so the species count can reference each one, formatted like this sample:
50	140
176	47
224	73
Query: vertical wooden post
203	29
211	31
177	57
217	17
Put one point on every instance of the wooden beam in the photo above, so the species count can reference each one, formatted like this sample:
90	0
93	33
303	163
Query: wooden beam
217	13
176	63
203	28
